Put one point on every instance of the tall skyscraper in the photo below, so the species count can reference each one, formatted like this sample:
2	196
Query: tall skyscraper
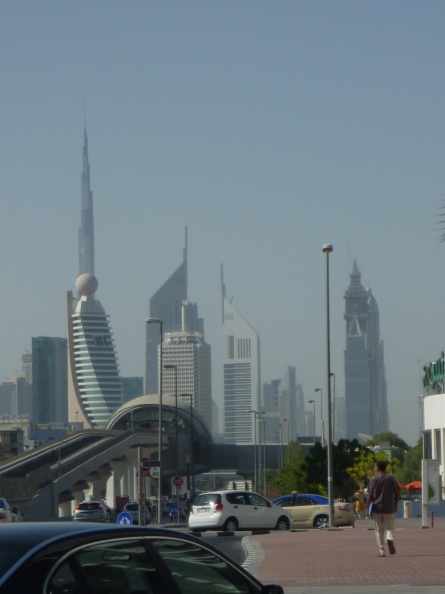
86	230
366	405
191	375
49	384
94	385
95	389
166	305
242	378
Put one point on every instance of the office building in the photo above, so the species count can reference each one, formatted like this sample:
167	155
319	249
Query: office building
242	378
366	409
190	376
49	385
132	387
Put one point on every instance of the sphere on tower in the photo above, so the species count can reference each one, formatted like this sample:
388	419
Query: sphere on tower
86	284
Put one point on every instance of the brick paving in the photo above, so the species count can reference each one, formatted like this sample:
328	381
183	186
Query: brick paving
348	557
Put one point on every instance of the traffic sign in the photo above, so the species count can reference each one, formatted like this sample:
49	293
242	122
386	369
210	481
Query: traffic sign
145	463
155	472
178	481
124	518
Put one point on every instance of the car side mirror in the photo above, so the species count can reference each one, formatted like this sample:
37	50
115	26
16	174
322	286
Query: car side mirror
272	589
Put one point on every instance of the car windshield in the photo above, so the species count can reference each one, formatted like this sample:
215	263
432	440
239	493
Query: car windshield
207	499
132	507
89	505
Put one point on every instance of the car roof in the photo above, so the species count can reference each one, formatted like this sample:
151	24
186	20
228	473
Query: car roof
34	534
314	495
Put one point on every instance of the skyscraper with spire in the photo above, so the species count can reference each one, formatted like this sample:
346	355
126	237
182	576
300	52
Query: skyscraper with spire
366	405
166	305
86	230
94	385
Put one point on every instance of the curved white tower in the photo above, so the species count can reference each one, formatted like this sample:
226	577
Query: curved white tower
95	387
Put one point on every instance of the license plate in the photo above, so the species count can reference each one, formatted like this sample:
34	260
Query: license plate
202	510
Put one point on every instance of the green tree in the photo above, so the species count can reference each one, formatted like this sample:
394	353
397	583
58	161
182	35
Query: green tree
411	468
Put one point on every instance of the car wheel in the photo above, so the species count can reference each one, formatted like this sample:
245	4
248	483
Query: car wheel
321	522
230	525
282	524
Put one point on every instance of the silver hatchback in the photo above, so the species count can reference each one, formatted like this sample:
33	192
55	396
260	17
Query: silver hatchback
90	511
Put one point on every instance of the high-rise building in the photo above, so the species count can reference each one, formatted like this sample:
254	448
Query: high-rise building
94	385
86	230
190	376
49	385
95	389
242	378
366	406
132	387
166	305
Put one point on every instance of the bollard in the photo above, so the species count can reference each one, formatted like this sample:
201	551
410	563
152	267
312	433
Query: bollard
432	520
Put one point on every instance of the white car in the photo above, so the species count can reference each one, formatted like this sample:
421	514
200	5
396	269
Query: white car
236	510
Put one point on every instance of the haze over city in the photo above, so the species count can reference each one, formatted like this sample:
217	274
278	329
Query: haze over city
267	129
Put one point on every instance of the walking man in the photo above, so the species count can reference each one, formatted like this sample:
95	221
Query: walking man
383	494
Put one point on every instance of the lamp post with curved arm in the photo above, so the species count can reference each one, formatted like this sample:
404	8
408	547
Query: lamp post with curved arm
327	249
159	509
313	402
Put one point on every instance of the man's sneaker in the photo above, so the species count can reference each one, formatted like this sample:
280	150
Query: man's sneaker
391	547
382	554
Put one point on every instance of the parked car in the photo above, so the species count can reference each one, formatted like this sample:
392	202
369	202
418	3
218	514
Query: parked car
236	510
58	557
312	511
6	515
90	511
132	507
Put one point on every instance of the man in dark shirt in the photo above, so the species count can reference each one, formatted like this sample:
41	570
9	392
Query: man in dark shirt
383	493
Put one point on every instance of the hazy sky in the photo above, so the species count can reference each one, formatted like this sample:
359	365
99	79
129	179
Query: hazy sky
268	128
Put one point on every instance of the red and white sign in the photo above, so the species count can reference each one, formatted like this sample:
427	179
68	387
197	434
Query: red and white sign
178	481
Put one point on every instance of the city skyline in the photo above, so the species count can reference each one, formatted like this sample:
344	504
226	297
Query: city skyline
267	132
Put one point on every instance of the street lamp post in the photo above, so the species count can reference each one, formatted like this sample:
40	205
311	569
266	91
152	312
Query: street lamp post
159	509
190	487
255	485
333	409
288	439
313	402
327	249
321	415
280	427
262	463
175	369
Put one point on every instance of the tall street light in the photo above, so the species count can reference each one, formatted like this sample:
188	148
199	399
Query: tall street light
191	468
327	249
156	321
333	409
255	487
313	402
175	369
321	415
288	439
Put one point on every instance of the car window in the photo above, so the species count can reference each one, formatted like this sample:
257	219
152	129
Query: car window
207	499
119	567
302	500
254	499
132	507
284	502
197	570
89	505
236	498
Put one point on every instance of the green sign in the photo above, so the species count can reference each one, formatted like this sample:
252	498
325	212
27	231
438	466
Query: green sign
434	374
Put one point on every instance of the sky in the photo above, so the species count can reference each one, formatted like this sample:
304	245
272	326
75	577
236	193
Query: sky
268	129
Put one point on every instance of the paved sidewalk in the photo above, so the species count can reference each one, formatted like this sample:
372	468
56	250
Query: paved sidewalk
346	560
